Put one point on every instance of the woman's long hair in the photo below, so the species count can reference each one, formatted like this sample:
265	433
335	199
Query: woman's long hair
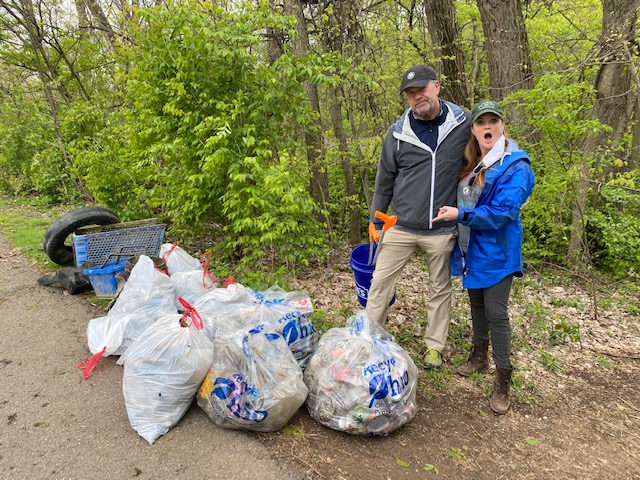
472	156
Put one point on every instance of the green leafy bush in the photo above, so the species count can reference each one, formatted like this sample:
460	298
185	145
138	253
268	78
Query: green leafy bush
212	136
556	114
614	233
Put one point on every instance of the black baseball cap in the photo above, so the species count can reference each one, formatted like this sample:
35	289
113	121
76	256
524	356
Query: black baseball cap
417	76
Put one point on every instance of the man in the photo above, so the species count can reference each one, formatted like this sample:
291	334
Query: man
418	170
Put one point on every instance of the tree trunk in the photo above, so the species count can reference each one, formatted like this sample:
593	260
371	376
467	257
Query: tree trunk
353	211
35	37
101	20
83	19
319	183
443	31
612	84
340	33
507	47
474	75
634	157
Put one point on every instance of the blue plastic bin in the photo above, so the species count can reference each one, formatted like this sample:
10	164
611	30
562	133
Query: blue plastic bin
103	278
363	272
137	239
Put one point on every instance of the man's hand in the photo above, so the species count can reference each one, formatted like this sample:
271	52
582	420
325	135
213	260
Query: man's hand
448	214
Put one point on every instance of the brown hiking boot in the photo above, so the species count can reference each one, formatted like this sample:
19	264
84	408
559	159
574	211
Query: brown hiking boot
478	361
499	401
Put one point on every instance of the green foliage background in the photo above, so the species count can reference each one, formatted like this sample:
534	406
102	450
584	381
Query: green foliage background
192	119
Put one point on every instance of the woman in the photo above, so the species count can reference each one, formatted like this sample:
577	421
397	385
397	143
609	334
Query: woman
496	181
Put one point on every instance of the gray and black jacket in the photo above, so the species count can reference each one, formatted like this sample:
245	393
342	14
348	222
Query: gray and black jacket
413	181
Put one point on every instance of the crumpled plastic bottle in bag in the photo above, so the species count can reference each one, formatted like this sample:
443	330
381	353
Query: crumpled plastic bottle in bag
254	382
360	380
163	370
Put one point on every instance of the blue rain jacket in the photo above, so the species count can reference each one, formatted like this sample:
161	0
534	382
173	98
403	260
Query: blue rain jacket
495	243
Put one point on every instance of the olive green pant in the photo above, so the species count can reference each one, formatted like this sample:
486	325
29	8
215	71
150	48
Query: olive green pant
395	251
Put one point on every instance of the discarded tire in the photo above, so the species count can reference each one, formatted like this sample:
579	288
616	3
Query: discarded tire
54	239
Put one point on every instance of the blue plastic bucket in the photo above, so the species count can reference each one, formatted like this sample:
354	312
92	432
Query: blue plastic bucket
363	272
103	279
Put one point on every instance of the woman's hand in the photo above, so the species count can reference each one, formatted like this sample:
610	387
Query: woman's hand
448	214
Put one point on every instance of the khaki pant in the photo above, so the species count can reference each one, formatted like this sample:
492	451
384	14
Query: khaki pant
395	251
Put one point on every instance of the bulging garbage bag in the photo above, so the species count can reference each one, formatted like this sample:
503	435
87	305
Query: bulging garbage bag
290	314
193	284
147	291
177	259
163	370
225	310
360	380
254	382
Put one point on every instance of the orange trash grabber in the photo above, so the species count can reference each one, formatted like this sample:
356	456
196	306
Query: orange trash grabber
373	238
388	222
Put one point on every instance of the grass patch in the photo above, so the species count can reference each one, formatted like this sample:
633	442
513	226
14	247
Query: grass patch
438	376
24	222
573	302
550	362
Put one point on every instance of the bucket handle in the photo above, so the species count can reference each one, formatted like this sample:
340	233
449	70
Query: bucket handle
118	255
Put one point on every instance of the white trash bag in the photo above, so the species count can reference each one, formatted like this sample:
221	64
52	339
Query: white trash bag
112	335
163	370
254	382
193	285
221	318
147	291
231	293
360	380
177	259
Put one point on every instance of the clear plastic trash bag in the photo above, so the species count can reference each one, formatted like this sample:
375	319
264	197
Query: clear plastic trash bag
177	259
163	370
254	382
360	380
147	291
290	315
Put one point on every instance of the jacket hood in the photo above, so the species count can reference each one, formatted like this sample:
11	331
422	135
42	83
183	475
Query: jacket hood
513	154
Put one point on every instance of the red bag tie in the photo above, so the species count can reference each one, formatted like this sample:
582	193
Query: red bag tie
166	254
205	260
89	364
192	313
229	281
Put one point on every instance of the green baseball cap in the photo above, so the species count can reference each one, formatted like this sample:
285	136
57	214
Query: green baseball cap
486	106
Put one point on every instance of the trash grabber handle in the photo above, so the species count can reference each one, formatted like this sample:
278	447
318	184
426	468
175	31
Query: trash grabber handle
373	235
388	220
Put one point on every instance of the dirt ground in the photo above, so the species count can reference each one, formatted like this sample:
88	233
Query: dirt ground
575	417
580	423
